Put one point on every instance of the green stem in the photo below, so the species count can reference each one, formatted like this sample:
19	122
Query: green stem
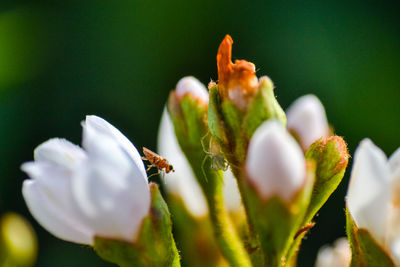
224	231
253	243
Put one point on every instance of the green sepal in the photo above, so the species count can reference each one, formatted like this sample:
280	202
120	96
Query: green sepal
264	106
365	251
155	245
277	221
236	146
215	122
332	157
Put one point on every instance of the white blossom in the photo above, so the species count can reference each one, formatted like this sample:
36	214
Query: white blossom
306	118
100	189
275	163
373	196
338	255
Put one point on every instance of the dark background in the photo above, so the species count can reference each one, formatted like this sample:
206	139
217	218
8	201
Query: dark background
61	60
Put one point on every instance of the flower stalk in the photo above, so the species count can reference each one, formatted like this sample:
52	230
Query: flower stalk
189	116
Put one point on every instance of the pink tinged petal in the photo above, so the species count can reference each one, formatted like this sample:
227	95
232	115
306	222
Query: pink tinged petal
275	163
51	217
307	119
190	85
368	196
60	152
182	182
100	125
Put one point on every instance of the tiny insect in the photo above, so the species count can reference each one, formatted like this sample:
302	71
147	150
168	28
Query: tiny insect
218	161
156	161
214	153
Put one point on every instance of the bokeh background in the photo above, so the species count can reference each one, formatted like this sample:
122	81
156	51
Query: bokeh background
61	60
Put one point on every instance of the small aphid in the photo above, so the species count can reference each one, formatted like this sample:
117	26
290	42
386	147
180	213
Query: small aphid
156	161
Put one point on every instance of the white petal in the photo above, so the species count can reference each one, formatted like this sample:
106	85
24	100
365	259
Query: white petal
190	85
51	218
337	256
395	251
55	182
112	205
232	198
275	163
102	126
325	257
182	182
368	196
306	117
59	152
394	161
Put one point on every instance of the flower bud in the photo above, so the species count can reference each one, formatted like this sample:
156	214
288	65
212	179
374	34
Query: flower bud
331	157
239	103
98	190
307	120
18	242
338	255
278	190
192	86
189	117
275	164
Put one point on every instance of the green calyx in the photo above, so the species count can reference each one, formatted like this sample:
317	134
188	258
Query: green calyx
331	157
155	245
233	127
278	222
365	251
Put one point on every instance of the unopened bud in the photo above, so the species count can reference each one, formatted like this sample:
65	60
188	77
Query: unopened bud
192	86
307	120
331	157
275	163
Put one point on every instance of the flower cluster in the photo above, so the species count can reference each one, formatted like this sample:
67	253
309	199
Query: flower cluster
249	179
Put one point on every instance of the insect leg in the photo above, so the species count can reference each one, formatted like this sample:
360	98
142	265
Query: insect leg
202	143
154	174
202	166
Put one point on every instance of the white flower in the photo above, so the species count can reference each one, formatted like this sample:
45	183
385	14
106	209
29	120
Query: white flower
306	118
338	255
98	190
275	163
373	196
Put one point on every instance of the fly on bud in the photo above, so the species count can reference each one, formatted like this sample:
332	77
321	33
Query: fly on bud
157	161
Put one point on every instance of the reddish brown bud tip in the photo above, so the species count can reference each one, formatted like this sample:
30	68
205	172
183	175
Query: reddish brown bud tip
239	76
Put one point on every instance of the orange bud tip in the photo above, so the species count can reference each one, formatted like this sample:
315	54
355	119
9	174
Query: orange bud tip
239	76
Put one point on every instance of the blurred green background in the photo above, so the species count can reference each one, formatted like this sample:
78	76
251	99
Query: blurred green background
61	60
